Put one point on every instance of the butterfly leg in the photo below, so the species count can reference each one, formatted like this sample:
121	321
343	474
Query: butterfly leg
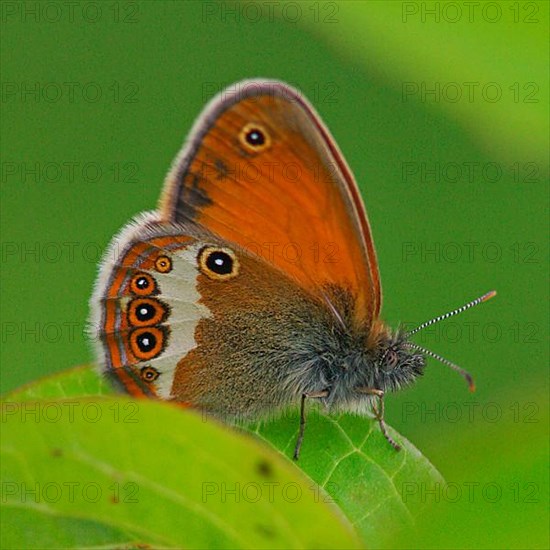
313	395
379	413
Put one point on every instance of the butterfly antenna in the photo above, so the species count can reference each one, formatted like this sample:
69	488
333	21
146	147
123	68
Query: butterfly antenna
464	373
473	303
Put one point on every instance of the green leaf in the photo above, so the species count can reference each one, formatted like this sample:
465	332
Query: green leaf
80	381
103	471
375	486
346	458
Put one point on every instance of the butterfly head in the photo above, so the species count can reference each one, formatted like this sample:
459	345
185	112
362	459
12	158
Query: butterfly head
372	357
399	364
401	360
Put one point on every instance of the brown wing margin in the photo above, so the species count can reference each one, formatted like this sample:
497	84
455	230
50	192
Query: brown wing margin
357	201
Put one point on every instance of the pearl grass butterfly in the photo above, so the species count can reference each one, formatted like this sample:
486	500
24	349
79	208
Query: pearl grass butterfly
189	307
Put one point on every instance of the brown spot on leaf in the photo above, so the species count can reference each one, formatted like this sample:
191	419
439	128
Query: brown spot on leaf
266	530
264	468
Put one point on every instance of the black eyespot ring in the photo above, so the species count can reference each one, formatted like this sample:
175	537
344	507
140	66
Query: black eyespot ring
254	138
218	263
142	312
148	342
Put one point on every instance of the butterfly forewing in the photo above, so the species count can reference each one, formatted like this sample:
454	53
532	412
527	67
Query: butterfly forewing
261	170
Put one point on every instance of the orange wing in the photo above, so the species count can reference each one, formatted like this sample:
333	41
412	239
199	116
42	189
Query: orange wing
261	169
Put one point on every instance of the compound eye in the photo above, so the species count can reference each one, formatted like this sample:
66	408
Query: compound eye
218	263
391	359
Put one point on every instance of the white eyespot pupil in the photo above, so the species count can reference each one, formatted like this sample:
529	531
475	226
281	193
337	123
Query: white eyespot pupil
218	261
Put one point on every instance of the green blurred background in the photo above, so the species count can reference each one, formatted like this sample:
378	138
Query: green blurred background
97	99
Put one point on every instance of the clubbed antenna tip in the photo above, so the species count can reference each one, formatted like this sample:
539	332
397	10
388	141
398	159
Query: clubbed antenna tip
488	296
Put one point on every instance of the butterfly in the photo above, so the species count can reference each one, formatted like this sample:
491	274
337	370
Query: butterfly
254	285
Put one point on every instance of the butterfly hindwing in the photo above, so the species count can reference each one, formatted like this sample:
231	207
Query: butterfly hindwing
182	315
146	305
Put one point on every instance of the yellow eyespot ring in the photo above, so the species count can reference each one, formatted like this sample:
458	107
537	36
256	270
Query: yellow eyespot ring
254	138
163	264
218	263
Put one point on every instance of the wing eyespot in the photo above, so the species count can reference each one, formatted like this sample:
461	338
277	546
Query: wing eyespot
142	284
218	263
149	374
147	343
254	138
146	312
163	264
